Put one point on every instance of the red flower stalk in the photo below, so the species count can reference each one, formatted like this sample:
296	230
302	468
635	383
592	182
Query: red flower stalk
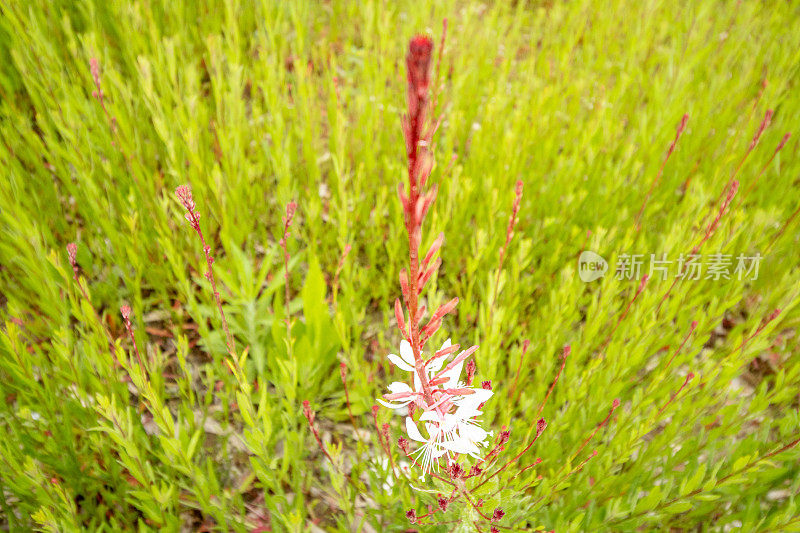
681	127
310	416
689	377
512	222
343	375
184	194
125	311
416	200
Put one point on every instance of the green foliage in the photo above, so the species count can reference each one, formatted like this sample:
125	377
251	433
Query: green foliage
256	104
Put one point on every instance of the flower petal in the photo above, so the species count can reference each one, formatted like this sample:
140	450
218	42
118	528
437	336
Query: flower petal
392	405
406	352
449	423
430	416
470	402
472	433
417	382
452	376
437	363
402	365
398	387
413	430
461	446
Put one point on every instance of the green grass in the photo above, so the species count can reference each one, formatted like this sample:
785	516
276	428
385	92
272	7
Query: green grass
256	104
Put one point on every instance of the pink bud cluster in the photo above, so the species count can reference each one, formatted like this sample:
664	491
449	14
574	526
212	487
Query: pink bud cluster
184	194
94	67
72	253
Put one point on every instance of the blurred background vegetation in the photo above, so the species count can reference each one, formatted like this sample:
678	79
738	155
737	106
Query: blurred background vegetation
255	104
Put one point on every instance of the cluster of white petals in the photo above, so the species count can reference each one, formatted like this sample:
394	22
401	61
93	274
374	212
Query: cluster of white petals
450	421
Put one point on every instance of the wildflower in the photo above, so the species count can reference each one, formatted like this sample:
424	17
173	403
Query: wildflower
402	392
449	433
498	514
432	447
443	503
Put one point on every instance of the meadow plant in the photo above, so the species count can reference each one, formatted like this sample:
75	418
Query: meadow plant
234	376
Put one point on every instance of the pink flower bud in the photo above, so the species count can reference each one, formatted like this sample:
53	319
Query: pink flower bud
442	503
455	471
471	367
72	253
403	444
504	436
309	414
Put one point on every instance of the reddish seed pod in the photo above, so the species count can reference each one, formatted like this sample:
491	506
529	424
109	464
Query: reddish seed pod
498	514
403	444
444	309
404	284
403	197
431	328
504	436
420	313
540	425
442	503
433	249
411	514
400	317
471	367
426	276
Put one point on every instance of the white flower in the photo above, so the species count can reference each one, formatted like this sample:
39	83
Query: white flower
469	433
463	433
431	449
406	359
450	433
401	394
450	421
